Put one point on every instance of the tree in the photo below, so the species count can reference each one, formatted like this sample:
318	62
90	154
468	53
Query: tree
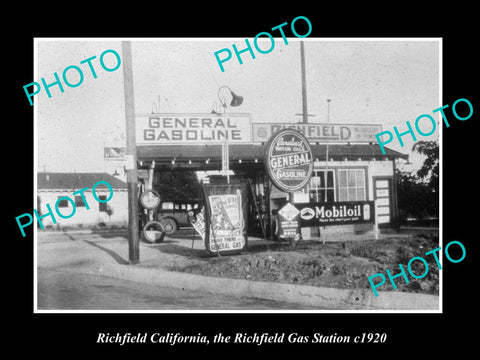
430	169
413	197
418	195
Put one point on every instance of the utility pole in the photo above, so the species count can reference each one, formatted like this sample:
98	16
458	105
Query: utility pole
304	84
326	152
131	155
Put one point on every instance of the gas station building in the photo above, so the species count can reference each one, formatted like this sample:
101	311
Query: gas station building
348	163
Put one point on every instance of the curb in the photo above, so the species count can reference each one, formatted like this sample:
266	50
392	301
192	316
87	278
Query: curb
308	296
312	296
81	231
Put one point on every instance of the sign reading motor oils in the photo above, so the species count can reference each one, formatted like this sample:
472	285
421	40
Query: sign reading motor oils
289	160
336	213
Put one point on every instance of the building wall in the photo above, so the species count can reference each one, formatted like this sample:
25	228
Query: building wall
374	169
83	217
377	168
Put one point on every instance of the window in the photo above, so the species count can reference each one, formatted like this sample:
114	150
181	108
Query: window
102	206
167	205
321	190
79	201
351	185
62	203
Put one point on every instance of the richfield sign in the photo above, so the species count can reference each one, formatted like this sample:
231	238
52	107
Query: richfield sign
191	129
342	133
289	160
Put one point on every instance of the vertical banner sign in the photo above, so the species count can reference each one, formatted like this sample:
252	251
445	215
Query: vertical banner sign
289	222
225	157
198	222
227	214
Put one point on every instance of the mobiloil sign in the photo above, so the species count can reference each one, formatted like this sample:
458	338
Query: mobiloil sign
336	213
289	160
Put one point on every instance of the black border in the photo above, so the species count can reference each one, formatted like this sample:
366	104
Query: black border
408	334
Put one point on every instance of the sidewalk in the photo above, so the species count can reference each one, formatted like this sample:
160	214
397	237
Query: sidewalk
109	257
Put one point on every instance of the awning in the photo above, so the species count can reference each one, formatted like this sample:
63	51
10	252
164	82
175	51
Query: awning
255	153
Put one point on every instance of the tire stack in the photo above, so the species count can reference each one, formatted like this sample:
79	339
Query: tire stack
153	231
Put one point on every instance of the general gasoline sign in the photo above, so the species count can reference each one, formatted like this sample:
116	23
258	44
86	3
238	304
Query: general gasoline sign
289	160
192	129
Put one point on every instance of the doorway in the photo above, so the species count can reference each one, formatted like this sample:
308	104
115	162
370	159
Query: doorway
383	196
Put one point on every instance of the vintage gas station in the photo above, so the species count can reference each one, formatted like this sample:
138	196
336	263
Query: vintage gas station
278	180
347	165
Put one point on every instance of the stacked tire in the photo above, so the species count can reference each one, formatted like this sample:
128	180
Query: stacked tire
153	231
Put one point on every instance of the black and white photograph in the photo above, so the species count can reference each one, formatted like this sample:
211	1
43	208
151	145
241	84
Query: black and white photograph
312	180
205	181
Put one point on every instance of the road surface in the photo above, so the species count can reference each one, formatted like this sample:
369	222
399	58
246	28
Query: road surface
60	290
63	283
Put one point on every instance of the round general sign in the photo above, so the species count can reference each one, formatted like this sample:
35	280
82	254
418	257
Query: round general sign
289	160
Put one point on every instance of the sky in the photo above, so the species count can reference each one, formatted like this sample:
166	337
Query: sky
369	81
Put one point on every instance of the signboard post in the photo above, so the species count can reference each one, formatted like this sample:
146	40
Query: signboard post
131	155
225	161
289	163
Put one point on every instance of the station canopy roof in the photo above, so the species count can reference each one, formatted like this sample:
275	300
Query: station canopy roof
255	152
76	181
